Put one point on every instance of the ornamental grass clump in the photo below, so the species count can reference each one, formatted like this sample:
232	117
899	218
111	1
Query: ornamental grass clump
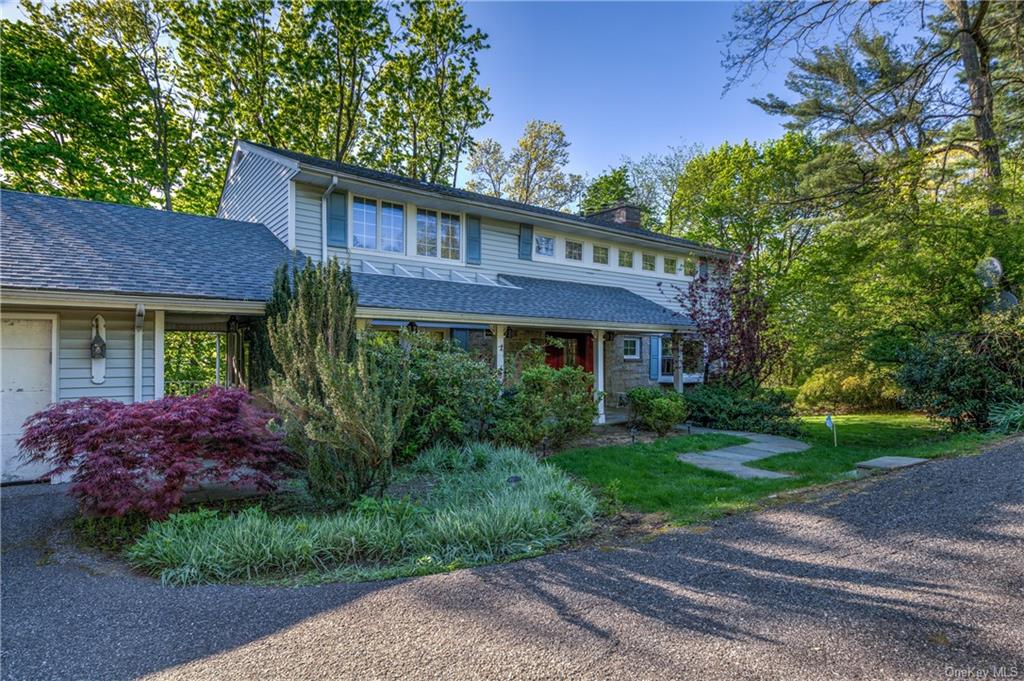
480	504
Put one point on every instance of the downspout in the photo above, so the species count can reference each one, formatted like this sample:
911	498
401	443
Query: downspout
324	208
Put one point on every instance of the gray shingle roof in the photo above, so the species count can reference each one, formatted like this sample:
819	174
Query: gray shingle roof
74	245
462	194
539	298
60	244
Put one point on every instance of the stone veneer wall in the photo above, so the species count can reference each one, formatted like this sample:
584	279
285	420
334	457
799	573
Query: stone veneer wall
622	375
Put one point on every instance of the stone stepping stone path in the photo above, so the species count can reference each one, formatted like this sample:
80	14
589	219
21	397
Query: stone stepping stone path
885	463
731	460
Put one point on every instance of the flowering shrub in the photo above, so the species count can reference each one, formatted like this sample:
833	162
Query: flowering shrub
141	457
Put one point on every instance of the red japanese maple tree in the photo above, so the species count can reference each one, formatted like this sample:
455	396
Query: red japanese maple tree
141	457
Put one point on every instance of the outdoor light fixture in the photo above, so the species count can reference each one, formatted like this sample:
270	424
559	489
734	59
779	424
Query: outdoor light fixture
98	349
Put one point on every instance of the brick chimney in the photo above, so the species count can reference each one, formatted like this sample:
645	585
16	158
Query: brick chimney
623	213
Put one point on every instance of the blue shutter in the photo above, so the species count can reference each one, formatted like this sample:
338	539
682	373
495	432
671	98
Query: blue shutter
461	338
337	220
472	240
525	242
655	358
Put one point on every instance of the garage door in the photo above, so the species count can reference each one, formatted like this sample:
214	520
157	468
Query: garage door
26	386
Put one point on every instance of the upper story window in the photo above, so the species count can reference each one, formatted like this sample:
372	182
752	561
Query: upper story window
600	255
392	227
438	233
544	245
426	233
649	261
574	250
378	225
451	237
669	266
364	223
625	258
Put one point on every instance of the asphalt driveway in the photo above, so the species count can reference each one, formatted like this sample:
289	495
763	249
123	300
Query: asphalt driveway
919	574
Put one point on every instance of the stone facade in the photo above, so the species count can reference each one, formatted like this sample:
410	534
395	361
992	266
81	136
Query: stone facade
622	375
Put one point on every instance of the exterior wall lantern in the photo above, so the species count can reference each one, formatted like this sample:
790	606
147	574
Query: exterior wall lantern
98	349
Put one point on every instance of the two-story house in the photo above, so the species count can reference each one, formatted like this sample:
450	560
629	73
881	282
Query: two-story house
89	289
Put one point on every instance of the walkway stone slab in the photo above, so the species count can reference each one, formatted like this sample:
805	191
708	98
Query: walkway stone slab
885	463
731	459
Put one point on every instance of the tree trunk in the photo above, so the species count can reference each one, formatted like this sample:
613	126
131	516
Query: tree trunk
974	58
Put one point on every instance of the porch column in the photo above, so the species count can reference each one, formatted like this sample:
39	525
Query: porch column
599	372
499	349
158	354
677	364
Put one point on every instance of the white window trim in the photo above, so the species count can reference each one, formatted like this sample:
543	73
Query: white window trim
408	251
583	250
646	253
639	345
601	265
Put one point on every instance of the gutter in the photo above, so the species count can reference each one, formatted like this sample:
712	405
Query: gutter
14	296
324	208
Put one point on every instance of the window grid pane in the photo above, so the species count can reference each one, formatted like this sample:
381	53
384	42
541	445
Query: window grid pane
650	262
544	245
364	223
426	233
451	237
670	266
573	250
689	266
625	258
392	227
630	348
601	255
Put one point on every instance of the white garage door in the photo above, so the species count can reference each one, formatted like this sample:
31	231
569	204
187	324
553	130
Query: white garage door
26	382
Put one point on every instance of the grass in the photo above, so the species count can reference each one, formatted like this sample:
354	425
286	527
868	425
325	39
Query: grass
649	478
475	505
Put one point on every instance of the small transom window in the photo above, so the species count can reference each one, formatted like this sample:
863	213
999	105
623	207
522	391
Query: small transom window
544	245
669	265
650	262
573	250
625	258
600	255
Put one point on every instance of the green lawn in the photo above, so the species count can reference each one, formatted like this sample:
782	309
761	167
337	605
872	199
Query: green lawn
648	478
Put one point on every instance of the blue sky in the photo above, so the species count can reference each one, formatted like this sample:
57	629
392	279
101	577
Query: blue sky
624	79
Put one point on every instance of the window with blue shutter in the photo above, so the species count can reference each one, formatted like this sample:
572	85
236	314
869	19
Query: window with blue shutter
472	240
337	220
525	242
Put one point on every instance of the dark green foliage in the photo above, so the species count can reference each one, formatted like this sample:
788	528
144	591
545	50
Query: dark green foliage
657	409
455	396
190	361
110	534
548	407
763	411
262	362
344	406
960	377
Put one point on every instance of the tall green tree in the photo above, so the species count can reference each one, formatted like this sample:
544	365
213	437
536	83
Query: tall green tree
91	108
608	189
430	100
533	172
